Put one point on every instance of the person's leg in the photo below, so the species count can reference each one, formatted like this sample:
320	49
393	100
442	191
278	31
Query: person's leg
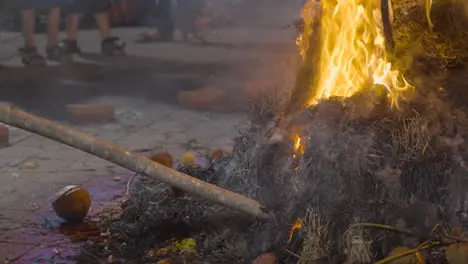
53	50
103	24
70	44
97	8
73	24
53	25
28	19
109	45
29	53
74	10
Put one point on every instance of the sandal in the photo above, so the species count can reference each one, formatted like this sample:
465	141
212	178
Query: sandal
111	46
30	57
70	47
56	53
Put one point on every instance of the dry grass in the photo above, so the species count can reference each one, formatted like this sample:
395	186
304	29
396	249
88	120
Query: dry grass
444	45
379	167
316	239
413	138
357	246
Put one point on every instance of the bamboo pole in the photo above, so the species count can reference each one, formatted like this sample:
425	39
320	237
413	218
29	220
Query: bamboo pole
131	161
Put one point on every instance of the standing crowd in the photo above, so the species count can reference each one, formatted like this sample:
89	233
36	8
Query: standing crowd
55	50
192	16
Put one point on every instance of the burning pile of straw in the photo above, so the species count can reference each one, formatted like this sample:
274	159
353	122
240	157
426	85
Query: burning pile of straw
353	179
403	169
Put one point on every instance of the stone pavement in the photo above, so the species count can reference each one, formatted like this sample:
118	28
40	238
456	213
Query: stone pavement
33	168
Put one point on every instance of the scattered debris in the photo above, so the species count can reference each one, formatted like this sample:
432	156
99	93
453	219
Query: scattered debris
188	159
30	165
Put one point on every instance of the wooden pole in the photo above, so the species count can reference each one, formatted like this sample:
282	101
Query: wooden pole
386	10
131	161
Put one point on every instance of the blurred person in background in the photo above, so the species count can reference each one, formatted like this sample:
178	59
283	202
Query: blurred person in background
192	16
110	45
187	16
165	23
28	8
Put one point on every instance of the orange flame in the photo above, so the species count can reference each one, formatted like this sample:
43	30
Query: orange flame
298	146
352	53
297	225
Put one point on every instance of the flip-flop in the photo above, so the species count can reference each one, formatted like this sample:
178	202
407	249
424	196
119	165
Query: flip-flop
31	57
112	46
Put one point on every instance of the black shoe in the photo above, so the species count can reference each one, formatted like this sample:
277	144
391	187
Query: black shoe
112	46
70	47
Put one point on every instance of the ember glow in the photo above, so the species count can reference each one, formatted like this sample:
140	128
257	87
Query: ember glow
352	52
298	146
297	143
297	225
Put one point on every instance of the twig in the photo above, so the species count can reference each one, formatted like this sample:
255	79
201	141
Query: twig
131	161
385	227
408	232
129	184
292	253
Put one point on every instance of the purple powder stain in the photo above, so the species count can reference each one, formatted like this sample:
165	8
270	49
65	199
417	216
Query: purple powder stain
55	241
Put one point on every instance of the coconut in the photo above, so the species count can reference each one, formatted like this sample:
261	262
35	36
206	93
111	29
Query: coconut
163	158
72	203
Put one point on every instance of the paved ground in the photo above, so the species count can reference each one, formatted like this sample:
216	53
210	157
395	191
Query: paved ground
143	86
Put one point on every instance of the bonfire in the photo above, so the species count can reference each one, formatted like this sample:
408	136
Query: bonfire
363	163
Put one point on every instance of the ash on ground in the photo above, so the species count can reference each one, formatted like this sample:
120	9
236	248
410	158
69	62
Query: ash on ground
402	168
